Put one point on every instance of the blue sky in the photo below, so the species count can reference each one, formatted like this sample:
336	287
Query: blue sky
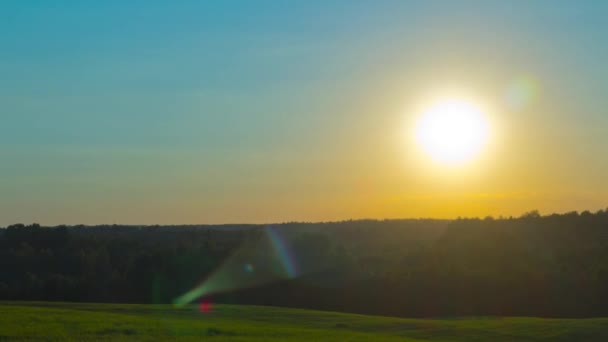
260	111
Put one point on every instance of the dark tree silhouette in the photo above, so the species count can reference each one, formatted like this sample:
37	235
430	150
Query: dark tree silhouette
555	265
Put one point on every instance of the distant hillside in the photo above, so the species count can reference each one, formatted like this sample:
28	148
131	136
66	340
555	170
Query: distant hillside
554	266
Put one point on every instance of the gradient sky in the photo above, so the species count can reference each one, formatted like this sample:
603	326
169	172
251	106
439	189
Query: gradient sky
146	112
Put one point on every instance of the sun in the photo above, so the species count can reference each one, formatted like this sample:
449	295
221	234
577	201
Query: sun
452	130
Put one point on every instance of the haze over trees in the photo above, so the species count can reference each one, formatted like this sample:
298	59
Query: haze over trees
534	265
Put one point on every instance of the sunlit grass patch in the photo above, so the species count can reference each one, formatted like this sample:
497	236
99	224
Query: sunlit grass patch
44	321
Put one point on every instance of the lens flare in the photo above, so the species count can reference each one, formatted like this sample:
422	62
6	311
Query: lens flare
283	253
521	93
205	306
256	263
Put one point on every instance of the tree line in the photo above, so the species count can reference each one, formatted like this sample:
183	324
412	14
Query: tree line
533	265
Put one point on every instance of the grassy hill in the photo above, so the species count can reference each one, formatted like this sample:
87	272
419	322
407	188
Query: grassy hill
70	321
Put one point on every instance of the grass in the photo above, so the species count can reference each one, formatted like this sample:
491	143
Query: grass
45	321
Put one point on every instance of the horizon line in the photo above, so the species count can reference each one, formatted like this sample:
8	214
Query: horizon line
535	213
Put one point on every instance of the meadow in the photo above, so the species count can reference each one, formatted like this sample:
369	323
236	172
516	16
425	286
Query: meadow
52	321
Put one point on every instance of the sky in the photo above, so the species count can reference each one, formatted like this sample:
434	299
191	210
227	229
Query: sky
164	112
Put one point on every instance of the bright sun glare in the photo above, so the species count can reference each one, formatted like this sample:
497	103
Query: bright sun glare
452	131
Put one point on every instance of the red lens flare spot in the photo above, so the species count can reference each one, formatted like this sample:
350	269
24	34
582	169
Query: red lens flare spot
205	306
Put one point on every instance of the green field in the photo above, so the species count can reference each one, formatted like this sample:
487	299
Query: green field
42	321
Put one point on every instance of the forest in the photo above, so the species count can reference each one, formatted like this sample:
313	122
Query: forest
533	265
